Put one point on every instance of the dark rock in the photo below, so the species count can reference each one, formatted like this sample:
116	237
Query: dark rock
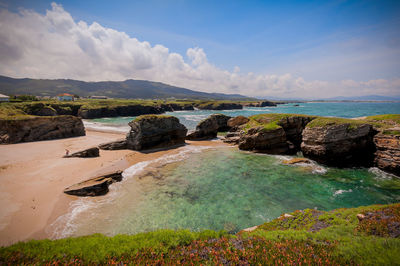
114	145
97	186
260	104
40	128
294	126
387	155
339	144
125	110
284	137
47	111
209	127
232	137
261	140
152	131
88	153
219	106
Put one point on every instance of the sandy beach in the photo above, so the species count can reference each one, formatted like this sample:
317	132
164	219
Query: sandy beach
33	176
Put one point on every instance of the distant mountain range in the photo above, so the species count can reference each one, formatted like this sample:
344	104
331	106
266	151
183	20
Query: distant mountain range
114	89
342	98
366	98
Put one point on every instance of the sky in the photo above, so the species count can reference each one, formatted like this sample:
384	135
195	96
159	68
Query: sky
286	49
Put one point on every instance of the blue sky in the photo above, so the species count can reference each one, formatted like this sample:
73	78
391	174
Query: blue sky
324	41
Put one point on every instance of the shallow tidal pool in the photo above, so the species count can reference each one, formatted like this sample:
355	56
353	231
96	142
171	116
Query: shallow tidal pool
221	189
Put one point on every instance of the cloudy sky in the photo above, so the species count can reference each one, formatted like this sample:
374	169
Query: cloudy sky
307	49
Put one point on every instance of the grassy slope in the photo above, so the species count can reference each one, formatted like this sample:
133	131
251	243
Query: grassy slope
269	121
309	236
381	122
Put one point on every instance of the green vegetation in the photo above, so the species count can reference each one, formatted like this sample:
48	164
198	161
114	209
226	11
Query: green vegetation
269	122
330	121
336	237
151	117
395	118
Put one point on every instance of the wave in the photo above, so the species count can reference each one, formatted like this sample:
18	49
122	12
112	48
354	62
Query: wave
341	191
66	225
379	174
96	126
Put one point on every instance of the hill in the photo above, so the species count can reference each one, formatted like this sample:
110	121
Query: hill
141	89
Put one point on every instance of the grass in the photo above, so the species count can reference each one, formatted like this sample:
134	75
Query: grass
152	117
331	121
98	248
309	237
269	122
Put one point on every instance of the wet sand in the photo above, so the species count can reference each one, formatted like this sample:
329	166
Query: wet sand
33	176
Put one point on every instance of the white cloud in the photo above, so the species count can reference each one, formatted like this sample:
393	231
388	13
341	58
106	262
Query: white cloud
55	46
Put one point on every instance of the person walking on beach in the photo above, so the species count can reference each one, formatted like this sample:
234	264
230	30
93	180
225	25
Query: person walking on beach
66	152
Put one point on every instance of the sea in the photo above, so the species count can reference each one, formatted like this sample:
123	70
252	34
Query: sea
223	188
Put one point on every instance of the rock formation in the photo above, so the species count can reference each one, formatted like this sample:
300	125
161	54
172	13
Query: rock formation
387	155
88	153
260	104
114	145
269	141
339	144
152	131
97	186
47	111
39	128
209	127
273	133
237	121
219	106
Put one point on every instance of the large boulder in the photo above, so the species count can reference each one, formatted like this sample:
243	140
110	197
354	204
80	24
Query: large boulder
96	186
87	153
339	142
209	127
155	131
114	145
387	155
30	128
237	121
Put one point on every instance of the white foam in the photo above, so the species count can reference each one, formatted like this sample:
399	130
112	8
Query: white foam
341	191
379	174
105	128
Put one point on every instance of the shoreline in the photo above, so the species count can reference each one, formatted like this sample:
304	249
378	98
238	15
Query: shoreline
34	175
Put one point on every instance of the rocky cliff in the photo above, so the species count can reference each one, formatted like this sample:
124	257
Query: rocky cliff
273	133
209	128
219	106
337	142
127	110
28	128
259	104
155	131
373	141
387	155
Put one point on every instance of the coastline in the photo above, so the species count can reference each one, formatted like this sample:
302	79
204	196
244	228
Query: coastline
34	174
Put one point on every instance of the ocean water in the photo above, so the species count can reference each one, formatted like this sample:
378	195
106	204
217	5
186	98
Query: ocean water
191	118
225	188
221	189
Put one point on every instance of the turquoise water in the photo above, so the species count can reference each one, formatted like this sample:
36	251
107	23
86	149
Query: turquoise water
339	109
224	188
